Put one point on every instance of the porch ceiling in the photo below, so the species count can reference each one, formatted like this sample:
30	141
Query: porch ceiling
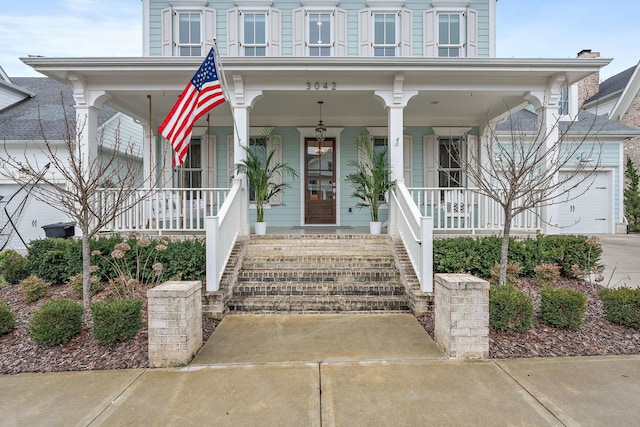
450	92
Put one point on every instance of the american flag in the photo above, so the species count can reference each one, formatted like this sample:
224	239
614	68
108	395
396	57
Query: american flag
202	94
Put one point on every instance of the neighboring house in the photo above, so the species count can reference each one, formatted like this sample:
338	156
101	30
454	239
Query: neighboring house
618	98
417	77
30	106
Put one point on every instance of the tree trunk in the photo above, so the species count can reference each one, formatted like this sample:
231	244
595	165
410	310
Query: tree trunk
504	249
86	272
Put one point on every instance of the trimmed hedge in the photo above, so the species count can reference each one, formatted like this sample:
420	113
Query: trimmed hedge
622	306
510	309
13	266
7	319
56	322
116	320
34	288
562	308
54	260
477	256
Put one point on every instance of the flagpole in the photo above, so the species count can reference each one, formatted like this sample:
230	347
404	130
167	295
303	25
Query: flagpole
223	84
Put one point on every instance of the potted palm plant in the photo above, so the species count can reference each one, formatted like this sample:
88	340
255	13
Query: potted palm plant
371	179
261	171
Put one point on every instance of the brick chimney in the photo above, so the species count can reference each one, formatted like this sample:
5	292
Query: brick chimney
589	86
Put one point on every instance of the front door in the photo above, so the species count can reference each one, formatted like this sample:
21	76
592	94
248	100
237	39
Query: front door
320	181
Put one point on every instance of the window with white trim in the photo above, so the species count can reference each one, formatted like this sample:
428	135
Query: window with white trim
187	31
385	32
563	103
450	33
253	32
319	31
450	172
189	175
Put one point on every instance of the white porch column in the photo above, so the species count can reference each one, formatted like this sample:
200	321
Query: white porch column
149	150
240	141
396	141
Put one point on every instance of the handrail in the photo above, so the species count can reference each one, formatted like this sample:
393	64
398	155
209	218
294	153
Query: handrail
416	232
221	234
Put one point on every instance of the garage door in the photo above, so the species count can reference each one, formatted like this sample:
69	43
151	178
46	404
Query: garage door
589	213
28	222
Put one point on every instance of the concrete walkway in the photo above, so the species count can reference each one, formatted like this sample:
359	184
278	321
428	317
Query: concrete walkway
621	258
380	370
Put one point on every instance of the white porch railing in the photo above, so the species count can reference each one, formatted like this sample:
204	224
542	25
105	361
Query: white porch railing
222	232
416	232
163	209
466	209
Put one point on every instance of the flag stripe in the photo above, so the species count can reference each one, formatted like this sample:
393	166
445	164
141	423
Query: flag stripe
201	94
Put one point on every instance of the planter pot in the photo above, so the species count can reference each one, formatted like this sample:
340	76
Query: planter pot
375	227
260	228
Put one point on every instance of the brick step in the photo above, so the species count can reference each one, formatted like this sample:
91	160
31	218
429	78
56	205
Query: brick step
318	275
315	262
336	250
318	304
319	289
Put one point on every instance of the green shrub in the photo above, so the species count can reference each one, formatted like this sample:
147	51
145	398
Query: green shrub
7	319
55	260
546	274
562	308
13	266
510	309
185	259
116	320
622	306
34	288
56	322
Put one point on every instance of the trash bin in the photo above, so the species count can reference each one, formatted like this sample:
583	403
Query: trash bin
60	229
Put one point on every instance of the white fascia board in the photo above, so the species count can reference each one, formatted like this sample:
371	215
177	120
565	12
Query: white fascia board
628	95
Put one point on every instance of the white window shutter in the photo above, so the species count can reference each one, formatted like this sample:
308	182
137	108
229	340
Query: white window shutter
430	143
167	32
233	36
340	37
406	32
209	160
430	33
364	36
299	32
275	143
209	27
407	161
472	33
275	30
231	167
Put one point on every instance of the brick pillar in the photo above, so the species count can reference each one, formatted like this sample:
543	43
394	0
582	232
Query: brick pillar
175	323
462	316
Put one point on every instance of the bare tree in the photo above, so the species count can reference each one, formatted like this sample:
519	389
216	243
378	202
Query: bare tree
520	167
75	179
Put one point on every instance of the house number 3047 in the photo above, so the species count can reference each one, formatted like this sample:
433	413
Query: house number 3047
321	86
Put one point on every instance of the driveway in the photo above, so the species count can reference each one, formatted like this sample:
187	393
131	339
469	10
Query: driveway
621	257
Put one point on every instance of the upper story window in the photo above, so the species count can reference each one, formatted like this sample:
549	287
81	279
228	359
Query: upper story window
188	28
563	104
189	41
254	34
385	29
253	29
319	29
450	33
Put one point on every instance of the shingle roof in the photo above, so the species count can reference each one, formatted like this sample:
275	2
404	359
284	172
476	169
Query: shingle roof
613	84
21	122
526	121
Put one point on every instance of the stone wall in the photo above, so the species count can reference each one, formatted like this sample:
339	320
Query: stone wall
462	316
175	323
632	119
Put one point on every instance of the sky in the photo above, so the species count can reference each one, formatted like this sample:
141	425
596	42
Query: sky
525	29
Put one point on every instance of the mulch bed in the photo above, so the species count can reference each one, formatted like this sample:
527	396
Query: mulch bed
19	353
597	336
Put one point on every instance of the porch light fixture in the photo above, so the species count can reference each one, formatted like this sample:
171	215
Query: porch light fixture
321	130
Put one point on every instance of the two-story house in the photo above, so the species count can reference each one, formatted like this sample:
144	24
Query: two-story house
417	77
